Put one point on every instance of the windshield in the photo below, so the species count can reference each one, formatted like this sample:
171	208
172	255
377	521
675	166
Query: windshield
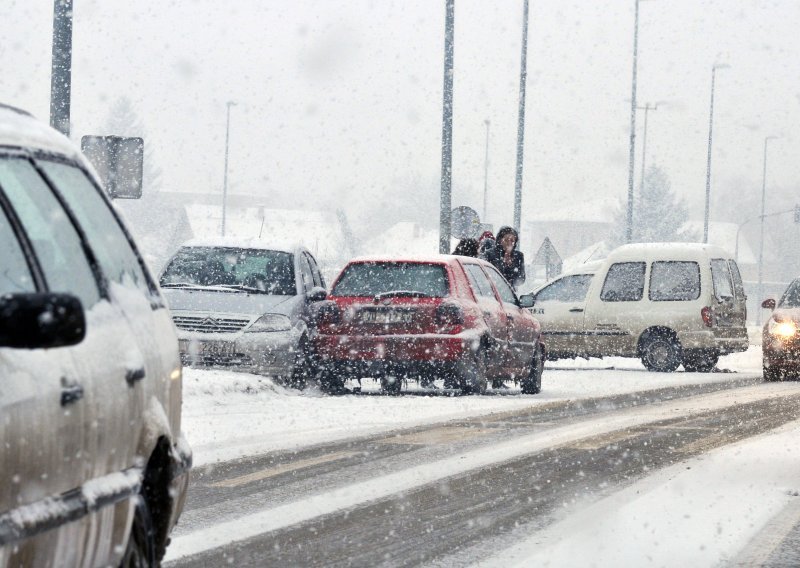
400	278
265	271
791	298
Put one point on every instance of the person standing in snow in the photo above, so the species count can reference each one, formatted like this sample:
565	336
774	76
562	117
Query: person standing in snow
506	258
485	244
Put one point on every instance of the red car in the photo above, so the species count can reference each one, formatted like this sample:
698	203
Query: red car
448	317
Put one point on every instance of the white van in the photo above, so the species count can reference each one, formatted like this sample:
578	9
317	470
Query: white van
667	303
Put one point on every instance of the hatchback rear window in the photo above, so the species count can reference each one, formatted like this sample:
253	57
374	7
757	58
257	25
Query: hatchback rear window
257	270
374	278
672	281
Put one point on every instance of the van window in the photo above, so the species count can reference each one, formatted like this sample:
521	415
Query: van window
55	241
674	281
15	276
566	289
109	242
624	282
738	285
721	276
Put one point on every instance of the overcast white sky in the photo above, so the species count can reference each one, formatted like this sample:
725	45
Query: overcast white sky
340	101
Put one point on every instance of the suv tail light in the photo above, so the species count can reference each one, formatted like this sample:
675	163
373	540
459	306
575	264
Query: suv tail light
328	313
450	316
705	313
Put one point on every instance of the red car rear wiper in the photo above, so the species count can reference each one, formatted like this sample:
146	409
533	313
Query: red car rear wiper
401	293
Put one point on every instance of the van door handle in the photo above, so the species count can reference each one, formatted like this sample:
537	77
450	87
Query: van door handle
134	375
71	393
576	309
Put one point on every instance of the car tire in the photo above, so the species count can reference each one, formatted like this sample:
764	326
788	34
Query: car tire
661	353
303	369
698	361
391	385
141	548
532	384
473	377
772	374
330	382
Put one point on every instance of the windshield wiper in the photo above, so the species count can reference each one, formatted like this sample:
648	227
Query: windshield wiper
241	287
401	294
180	285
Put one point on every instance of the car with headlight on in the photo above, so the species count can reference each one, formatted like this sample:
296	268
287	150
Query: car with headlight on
444	317
781	340
244	305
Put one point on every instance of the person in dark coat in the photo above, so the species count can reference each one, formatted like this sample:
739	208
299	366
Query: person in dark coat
506	258
467	247
485	244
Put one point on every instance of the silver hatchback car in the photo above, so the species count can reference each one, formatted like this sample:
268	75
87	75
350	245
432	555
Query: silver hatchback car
244	305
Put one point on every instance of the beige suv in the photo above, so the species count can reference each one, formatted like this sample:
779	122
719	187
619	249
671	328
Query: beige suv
666	303
93	468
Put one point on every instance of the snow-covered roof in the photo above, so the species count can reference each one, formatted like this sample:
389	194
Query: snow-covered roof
318	231
431	258
20	129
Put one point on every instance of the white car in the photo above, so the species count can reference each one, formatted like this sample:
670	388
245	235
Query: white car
667	303
245	305
93	466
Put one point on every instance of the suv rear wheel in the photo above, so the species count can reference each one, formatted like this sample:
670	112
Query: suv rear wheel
141	549
661	353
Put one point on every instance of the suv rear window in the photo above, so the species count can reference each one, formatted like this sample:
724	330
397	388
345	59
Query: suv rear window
267	271
672	281
624	282
372	278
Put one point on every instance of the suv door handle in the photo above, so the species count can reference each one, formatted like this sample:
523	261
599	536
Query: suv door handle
71	393
134	375
576	309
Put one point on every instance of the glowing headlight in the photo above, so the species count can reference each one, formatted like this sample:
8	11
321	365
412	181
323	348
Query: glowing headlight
270	322
784	329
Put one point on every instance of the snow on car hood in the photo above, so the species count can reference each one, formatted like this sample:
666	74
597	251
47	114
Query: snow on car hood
228	302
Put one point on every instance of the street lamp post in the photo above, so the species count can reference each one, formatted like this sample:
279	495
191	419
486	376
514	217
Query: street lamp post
646	108
632	150
486	175
523	74
708	163
445	195
761	243
61	74
229	104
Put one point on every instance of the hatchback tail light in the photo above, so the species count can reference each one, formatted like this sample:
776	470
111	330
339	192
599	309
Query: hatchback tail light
705	313
449	315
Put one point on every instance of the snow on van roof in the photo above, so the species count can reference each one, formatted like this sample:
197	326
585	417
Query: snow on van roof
20	129
245	243
674	251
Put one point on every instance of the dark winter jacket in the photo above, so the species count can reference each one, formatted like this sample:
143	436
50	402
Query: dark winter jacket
514	272
467	247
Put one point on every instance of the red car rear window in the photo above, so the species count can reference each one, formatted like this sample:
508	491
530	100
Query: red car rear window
374	278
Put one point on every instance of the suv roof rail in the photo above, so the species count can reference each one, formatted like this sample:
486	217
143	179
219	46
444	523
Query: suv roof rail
15	109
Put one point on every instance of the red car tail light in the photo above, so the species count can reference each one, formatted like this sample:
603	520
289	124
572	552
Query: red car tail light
449	316
705	313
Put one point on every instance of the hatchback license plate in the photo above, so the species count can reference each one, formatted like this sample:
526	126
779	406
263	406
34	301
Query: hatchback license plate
386	316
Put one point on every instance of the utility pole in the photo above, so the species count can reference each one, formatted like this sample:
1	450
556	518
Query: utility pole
761	243
523	74
632	151
61	70
229	104
646	108
447	130
708	163
486	175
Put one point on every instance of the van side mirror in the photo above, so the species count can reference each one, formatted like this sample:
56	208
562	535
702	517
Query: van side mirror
527	300
38	321
317	294
769	304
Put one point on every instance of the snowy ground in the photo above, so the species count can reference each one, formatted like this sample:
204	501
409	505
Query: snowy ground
228	415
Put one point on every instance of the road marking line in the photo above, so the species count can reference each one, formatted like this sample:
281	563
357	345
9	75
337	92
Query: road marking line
761	547
361	492
442	435
279	469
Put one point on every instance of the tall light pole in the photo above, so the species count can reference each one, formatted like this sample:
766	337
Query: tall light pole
708	163
646	108
229	104
486	174
523	74
632	150
761	243
61	70
447	130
